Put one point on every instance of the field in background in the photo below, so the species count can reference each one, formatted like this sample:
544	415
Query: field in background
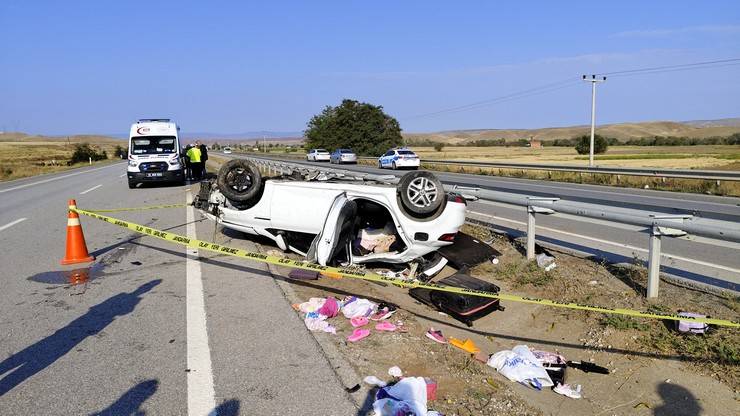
621	131
686	157
20	159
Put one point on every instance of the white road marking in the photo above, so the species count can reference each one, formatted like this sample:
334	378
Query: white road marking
121	176
10	224
55	178
627	246
201	395
91	189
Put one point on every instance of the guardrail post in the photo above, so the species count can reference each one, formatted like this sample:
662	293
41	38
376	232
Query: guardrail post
530	232
654	262
531	229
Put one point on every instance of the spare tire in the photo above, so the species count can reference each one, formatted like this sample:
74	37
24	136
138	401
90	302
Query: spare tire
239	180
421	192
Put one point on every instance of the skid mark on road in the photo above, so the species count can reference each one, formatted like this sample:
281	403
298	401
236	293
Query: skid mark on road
201	400
91	189
12	223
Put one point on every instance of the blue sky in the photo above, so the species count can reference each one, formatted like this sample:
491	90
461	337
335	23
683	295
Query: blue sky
229	67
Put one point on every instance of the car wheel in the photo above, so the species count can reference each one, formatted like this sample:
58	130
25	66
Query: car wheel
131	185
380	165
239	180
394	166
421	192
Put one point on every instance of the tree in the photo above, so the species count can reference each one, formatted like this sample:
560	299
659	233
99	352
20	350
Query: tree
583	144
84	152
439	146
362	127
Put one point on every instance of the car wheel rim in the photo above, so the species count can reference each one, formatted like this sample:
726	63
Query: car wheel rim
422	192
239	180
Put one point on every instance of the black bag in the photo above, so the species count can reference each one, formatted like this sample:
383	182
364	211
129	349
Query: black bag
464	308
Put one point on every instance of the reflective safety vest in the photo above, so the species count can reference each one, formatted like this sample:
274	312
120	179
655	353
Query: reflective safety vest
194	155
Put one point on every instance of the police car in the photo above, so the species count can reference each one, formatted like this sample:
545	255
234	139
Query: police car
399	159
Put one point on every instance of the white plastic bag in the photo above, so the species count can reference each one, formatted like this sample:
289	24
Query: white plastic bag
411	395
522	366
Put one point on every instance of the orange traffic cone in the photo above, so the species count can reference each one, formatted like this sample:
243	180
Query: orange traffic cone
76	247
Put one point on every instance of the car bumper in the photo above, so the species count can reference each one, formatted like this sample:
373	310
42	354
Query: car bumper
167	176
407	163
348	160
322	158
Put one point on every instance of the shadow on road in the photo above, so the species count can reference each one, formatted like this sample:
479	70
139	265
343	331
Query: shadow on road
131	401
35	358
227	408
677	401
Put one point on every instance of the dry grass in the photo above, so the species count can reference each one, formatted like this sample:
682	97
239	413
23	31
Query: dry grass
621	131
30	158
687	157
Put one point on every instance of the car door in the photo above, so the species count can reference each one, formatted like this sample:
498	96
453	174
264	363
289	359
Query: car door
336	233
386	159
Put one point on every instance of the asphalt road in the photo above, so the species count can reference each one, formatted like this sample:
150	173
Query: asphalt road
157	329
694	258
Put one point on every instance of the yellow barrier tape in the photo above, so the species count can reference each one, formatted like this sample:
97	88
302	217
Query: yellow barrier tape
140	208
364	275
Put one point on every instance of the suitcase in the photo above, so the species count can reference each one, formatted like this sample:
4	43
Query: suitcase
464	308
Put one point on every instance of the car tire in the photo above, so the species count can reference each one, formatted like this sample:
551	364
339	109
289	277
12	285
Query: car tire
421	192
380	165
239	180
394	166
131	185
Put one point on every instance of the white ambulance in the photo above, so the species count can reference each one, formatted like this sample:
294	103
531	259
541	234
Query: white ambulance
154	152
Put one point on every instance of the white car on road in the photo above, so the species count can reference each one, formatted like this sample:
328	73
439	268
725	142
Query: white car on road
336	221
398	159
318	155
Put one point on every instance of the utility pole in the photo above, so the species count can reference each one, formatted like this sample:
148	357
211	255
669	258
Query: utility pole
593	80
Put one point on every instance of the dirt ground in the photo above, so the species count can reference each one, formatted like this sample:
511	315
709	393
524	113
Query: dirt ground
653	369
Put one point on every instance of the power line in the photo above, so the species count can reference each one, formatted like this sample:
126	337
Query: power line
693	64
576	80
483	103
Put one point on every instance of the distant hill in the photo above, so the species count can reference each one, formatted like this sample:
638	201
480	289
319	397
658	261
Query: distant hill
722	122
77	138
621	131
250	135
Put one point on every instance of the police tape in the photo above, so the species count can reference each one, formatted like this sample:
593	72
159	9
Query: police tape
140	208
353	273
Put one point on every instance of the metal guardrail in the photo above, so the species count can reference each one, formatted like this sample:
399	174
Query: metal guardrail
710	175
659	225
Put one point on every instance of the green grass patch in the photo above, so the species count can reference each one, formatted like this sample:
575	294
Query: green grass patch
719	347
622	322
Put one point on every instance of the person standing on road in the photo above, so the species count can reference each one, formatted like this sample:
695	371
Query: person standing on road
203	157
195	163
186	161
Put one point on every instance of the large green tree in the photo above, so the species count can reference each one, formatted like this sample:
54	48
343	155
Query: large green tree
362	127
583	144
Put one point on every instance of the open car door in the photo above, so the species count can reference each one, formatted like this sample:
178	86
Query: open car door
336	236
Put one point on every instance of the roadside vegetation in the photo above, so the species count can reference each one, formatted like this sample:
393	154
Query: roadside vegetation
20	159
362	127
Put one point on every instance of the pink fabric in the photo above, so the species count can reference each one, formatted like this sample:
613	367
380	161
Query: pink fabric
330	308
385	326
358	334
358	321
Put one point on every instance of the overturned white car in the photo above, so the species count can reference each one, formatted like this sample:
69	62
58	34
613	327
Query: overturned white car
335	221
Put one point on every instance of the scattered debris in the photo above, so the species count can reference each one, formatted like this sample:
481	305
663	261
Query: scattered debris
395	371
468	345
519	364
436	336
